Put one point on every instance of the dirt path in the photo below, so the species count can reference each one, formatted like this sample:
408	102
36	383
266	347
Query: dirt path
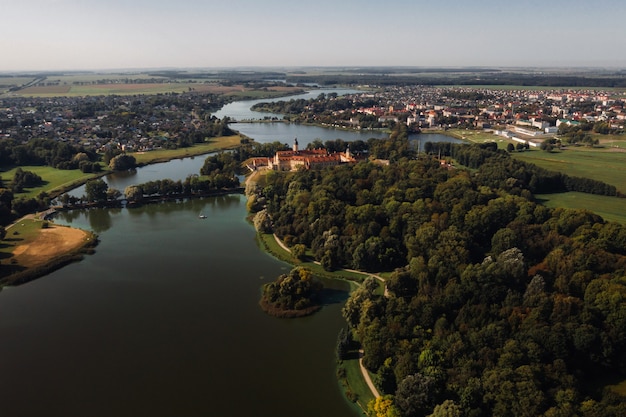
366	376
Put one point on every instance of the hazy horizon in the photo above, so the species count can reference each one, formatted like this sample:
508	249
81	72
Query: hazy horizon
90	35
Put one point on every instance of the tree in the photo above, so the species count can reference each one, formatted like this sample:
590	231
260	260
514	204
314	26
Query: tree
122	162
382	407
416	395
448	408
133	193
343	344
96	190
299	251
113	194
263	222
23	179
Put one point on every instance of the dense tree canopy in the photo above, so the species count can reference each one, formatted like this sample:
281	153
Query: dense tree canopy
496	305
293	294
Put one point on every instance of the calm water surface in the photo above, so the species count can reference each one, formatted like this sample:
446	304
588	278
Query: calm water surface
163	320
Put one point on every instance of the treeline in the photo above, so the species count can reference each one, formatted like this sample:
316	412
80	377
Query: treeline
326	108
44	152
484	78
323	103
498	169
497	305
218	173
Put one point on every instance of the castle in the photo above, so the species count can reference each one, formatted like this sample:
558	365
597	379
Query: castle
304	159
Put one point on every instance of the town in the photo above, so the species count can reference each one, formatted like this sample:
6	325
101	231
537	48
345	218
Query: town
147	122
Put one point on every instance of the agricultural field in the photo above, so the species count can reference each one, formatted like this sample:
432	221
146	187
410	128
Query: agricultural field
68	90
87	89
89	84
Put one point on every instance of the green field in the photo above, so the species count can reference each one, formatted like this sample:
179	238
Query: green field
53	178
610	208
606	163
602	164
214	145
474	136
355	384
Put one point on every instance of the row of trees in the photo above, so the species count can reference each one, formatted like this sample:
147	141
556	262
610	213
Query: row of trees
498	169
44	152
496	306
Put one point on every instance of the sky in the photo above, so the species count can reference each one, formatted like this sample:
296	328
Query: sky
52	35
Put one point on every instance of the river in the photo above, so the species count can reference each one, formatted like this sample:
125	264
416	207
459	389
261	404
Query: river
163	320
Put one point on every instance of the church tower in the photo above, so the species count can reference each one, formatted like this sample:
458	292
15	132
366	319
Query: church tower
295	145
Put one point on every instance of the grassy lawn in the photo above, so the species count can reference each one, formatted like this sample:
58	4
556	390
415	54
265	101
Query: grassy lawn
353	384
474	136
602	164
610	208
53	178
214	145
23	232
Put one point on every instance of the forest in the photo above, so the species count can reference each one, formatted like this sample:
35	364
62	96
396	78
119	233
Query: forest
496	305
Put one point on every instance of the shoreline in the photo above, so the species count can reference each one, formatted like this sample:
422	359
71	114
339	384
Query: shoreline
62	257
42	248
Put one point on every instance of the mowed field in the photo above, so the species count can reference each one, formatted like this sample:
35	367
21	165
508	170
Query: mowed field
606	164
53	178
109	89
120	84
610	208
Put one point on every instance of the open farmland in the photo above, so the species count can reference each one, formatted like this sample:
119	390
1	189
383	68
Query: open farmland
103	89
88	89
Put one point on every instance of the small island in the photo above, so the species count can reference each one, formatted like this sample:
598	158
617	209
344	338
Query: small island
295	294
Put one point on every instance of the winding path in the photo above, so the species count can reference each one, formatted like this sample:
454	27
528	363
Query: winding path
366	376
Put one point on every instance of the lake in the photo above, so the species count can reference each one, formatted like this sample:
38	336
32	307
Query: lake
163	320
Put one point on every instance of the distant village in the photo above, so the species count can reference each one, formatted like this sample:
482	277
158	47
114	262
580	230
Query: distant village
144	123
520	115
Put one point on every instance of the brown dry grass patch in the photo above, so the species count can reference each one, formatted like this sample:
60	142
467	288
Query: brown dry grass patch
52	242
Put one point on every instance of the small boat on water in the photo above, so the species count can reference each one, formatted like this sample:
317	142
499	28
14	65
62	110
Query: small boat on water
202	216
